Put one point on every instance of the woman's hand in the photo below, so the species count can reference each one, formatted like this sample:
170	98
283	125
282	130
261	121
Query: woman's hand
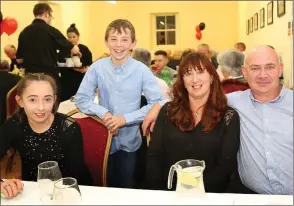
11	188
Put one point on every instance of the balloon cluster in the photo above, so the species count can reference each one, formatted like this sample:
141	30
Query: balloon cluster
8	25
198	29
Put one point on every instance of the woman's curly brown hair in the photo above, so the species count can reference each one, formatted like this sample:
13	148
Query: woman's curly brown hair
179	109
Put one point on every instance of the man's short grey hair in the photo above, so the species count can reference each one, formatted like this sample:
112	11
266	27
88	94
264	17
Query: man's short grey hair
142	55
231	62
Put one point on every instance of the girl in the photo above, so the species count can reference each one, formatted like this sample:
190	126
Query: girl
40	134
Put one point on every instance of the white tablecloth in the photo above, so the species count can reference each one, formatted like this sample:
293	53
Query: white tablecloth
116	196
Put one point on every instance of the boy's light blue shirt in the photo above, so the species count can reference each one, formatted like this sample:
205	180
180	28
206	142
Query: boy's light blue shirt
120	92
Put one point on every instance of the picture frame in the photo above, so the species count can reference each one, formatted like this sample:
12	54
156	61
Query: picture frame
261	18
251	24
247	27
281	8
270	12
255	21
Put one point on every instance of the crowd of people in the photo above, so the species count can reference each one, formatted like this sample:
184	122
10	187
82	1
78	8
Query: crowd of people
230	110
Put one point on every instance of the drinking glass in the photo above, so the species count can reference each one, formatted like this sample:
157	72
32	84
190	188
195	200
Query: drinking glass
66	192
48	174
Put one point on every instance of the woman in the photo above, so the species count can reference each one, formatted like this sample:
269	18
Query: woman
72	78
196	124
229	70
40	134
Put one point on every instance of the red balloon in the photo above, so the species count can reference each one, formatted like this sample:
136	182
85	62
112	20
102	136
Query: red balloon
198	35
198	29
1	29
9	25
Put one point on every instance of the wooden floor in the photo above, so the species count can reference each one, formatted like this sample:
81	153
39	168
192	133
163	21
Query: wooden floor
16	167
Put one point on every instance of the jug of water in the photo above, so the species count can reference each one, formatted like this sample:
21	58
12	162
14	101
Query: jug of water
189	177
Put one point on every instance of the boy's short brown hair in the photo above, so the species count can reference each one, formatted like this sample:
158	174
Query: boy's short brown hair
118	25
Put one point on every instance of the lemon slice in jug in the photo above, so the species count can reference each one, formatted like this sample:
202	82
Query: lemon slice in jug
188	179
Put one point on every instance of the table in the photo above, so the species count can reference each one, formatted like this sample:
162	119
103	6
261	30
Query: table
117	196
68	105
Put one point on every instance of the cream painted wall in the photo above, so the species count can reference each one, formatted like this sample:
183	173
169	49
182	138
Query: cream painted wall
275	34
220	19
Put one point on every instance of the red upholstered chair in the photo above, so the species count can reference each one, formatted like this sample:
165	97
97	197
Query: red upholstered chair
11	103
97	141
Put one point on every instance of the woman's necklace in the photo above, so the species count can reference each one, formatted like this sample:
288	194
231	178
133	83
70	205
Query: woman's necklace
198	116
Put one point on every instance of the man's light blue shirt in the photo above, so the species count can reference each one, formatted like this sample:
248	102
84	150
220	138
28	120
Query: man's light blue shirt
265	158
120	90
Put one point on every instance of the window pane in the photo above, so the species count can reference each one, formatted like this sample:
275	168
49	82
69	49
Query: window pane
171	22
160	38
171	37
160	22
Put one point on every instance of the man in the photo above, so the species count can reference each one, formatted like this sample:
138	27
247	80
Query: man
120	80
240	46
265	158
205	49
144	56
162	70
38	43
10	52
7	82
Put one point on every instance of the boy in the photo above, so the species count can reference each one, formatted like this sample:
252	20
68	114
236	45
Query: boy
120	80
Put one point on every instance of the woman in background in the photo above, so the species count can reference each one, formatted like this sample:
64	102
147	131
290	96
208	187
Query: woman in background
71	78
40	134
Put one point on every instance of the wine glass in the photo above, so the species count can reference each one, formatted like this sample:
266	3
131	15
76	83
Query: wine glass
66	192
48	174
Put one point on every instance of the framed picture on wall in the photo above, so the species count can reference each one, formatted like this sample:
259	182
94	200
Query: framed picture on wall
281	8
251	24
247	27
270	16
255	19
261	17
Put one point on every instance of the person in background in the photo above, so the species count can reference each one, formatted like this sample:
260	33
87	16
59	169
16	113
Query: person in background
7	82
230	63
121	80
40	134
266	113
191	127
38	44
10	52
205	49
162	71
240	46
144	56
71	78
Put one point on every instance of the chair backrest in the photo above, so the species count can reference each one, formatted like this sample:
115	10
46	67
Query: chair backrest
97	141
11	104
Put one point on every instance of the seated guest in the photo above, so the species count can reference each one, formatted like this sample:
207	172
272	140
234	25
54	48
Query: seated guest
71	78
205	49
241	47
265	158
40	134
191	127
10	52
230	63
7	82
162	70
144	56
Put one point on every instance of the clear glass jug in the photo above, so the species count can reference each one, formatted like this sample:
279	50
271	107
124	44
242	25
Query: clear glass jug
190	177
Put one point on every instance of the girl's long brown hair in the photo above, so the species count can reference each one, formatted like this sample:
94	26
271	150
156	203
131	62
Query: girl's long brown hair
179	109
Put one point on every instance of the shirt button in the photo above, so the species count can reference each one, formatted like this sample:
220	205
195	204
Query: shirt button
268	153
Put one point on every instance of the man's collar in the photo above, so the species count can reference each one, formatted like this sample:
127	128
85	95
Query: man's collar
38	20
282	93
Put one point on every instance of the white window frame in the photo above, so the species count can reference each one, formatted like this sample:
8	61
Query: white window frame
155	30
